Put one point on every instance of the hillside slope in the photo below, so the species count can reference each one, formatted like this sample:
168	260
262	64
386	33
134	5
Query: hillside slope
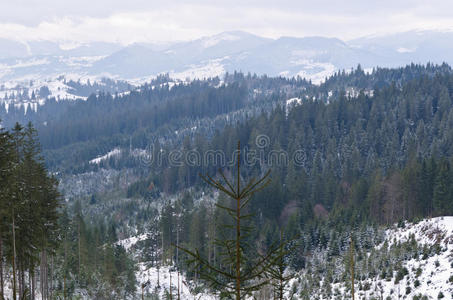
419	255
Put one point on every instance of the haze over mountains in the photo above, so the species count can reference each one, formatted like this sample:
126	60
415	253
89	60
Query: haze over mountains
310	57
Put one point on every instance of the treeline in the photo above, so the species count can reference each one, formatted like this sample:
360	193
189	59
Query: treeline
361	161
29	205
105	85
72	132
355	156
95	126
104	116
380	78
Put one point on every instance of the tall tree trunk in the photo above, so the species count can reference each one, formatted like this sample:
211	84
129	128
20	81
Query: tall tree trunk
41	276
1	266
64	270
209	245
158	277
214	247
78	236
238	236
162	253
50	277
13	262
171	292
179	290
33	283
46	281
43	269
29	282
177	244
24	285
177	253
20	271
352	269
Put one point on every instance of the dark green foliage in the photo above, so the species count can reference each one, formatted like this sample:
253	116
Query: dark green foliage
241	269
37	235
400	274
366	160
89	258
381	158
29	230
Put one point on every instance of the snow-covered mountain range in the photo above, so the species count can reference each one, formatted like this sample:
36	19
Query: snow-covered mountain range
32	65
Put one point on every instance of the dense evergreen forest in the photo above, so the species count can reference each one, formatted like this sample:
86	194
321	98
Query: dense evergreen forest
364	161
380	158
29	212
44	250
354	153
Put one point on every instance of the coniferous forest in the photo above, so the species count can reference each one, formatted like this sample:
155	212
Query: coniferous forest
347	159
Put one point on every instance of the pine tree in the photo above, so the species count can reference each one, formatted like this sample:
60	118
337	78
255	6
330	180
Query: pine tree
352	267
6	167
29	211
441	197
279	280
238	275
16	200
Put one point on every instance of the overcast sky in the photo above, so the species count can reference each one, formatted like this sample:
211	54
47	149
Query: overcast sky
128	21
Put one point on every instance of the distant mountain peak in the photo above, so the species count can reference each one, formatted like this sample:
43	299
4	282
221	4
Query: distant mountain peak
216	39
310	57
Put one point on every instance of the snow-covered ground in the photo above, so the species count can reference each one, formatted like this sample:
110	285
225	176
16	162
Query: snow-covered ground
426	276
293	102
436	270
26	92
207	69
157	280
129	242
113	153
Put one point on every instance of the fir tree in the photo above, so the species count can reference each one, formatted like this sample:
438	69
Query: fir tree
240	274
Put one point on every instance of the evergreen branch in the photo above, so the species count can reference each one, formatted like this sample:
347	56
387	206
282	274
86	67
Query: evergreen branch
225	208
203	262
245	202
264	181
227	182
216	184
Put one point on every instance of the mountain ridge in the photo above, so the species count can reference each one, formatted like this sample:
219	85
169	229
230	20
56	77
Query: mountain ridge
241	51
314	58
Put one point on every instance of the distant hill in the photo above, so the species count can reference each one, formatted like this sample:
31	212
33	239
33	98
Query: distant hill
310	57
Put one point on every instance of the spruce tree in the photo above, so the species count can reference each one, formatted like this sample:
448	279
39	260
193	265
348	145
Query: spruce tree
238	275
6	167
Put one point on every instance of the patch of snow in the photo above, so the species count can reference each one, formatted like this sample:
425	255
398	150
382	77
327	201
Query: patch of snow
129	242
209	69
316	72
29	63
293	102
157	280
214	40
114	152
81	61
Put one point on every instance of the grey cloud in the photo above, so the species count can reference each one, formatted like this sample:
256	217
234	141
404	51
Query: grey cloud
140	20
